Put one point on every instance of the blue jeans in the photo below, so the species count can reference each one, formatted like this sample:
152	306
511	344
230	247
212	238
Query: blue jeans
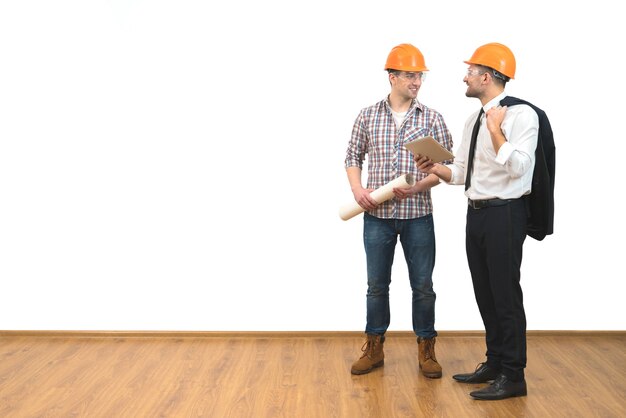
417	237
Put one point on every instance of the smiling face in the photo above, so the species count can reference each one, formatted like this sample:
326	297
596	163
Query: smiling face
406	84
474	78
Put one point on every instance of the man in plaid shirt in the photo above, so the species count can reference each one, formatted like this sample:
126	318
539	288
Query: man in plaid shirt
380	131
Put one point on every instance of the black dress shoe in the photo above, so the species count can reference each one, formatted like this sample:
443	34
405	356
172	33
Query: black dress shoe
501	388
482	374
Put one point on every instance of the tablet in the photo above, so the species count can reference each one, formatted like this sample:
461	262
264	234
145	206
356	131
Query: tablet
429	147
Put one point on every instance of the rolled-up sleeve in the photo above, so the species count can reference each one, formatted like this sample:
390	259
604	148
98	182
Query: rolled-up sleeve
357	147
458	166
442	134
517	155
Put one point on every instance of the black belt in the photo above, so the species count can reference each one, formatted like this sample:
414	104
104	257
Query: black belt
479	204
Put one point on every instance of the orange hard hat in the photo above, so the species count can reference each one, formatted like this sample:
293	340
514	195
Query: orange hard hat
405	57
495	56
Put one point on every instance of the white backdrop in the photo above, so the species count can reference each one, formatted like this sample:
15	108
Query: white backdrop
178	165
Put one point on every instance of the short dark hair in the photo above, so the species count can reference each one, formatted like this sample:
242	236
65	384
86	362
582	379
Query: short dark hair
497	75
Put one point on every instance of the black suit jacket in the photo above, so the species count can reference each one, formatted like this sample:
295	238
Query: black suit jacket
540	202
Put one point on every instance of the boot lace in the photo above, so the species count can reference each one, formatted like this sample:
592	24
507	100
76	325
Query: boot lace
368	347
429	349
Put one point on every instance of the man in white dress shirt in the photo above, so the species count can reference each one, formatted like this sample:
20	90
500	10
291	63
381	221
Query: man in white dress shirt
497	173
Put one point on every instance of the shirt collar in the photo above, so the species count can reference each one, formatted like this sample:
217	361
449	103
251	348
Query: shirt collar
414	104
494	102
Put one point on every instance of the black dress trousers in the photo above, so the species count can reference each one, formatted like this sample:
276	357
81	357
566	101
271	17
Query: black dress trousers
494	239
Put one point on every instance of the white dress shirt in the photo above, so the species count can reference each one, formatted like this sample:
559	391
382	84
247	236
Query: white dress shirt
507	174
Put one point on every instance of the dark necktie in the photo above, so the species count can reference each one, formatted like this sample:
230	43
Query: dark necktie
470	158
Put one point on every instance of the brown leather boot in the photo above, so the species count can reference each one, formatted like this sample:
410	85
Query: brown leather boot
428	361
372	357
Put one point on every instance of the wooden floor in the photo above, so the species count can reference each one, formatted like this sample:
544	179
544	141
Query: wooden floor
296	375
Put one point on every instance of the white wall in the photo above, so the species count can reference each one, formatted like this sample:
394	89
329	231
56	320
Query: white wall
178	165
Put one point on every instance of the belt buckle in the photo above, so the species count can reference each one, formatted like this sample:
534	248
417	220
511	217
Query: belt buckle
477	204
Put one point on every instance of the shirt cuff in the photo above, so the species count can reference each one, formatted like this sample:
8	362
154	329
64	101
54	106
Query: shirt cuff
504	153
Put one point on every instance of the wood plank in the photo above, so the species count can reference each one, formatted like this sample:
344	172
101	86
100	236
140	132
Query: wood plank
307	375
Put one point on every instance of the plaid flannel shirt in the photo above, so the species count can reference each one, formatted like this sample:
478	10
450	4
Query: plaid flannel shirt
374	133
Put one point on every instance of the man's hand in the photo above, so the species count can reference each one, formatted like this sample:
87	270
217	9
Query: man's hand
363	198
424	164
404	192
495	116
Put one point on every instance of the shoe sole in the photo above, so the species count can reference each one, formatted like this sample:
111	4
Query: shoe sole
359	372
431	375
498	398
473	381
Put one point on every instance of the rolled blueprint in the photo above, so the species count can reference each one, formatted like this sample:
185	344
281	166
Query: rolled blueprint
382	194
